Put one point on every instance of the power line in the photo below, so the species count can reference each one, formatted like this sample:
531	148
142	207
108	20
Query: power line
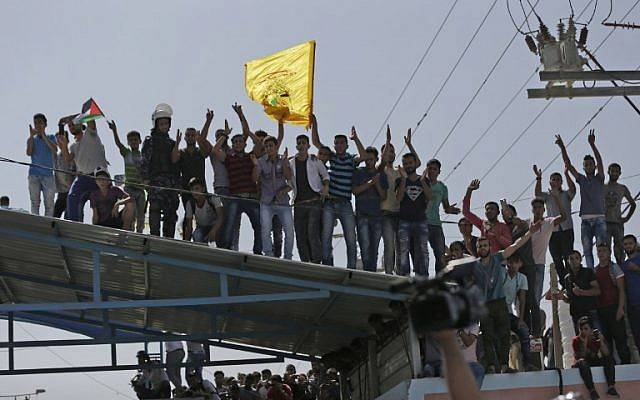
484	82
455	66
547	106
413	74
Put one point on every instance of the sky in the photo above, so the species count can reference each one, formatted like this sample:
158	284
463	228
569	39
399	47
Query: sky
130	56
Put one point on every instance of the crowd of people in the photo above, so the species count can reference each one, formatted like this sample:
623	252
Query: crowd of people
298	199
155	383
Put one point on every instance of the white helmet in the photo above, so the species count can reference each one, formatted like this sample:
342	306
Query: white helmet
163	110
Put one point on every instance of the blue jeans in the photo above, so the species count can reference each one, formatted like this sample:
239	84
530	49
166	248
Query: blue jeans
267	211
590	228
478	372
523	335
78	195
417	234
339	210
45	184
390	241
224	191
200	232
436	240
369	235
235	209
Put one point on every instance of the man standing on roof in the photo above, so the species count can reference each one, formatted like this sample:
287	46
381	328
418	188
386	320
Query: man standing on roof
497	233
561	242
88	154
592	210
342	166
42	149
614	192
159	168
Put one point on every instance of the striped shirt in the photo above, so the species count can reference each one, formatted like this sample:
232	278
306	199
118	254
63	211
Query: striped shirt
240	169
132	162
341	169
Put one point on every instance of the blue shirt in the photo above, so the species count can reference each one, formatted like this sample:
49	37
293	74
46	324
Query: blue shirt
490	278
341	169
368	202
41	155
632	281
591	195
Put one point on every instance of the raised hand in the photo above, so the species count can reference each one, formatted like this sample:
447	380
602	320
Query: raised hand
407	139
313	119
559	141
198	136
285	156
112	126
32	132
453	209
354	134
592	137
403	173
474	185
227	130
209	115
178	137
537	171
237	108
388	134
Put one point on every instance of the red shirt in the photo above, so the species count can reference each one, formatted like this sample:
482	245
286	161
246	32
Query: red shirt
240	169
608	289
500	238
593	347
275	394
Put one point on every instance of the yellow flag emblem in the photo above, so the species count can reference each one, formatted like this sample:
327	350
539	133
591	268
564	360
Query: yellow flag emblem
283	83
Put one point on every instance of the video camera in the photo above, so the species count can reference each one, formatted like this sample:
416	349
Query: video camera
448	301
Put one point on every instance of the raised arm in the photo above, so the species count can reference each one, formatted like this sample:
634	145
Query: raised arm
362	154
116	138
538	173
315	137
466	204
599	163
565	157
32	134
563	213
428	194
204	145
217	150
175	152
460	381
570	183
246	132
408	142
208	118
63	143
286	168
401	188
632	205
508	252
280	137
387	149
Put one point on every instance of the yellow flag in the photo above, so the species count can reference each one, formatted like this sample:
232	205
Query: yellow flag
283	83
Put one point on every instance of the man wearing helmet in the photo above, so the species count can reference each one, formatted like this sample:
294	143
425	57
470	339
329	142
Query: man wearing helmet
159	168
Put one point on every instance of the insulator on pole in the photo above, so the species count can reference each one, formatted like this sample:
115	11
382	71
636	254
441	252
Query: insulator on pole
531	44
584	32
561	31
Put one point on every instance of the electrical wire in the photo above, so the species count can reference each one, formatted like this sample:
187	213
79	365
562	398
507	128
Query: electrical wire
595	7
526	16
455	67
610	11
415	70
513	21
571	7
99	382
484	82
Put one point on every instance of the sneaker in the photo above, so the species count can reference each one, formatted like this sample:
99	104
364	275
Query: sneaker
506	370
613	392
594	395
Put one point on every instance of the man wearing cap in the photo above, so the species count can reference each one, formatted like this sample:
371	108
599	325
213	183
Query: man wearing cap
88	154
159	168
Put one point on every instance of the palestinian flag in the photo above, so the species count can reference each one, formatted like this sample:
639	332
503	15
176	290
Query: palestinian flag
90	111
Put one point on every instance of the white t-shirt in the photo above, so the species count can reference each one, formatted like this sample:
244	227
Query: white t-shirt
173	345
89	152
205	215
540	241
469	352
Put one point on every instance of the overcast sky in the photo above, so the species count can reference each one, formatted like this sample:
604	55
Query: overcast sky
129	56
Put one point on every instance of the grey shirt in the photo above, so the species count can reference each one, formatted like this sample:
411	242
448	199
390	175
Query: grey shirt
613	195
220	174
591	195
554	211
271	176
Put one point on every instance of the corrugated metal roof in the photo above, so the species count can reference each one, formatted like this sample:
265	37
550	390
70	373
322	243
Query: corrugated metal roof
314	326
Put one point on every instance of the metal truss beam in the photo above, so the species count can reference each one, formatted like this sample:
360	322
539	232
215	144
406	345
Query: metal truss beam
164	260
589	75
555	92
178	302
130	367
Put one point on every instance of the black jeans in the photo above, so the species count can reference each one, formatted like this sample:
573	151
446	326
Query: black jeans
61	205
496	330
532	308
584	365
615	332
560	246
307	221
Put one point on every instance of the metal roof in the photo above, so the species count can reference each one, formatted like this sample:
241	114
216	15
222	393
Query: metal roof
47	264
